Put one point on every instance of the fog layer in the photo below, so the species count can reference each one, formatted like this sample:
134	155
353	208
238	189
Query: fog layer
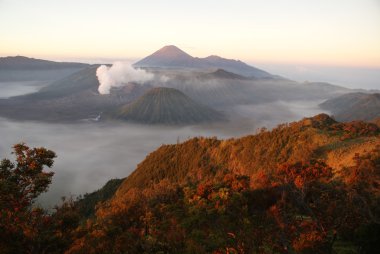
14	88
350	77
89	154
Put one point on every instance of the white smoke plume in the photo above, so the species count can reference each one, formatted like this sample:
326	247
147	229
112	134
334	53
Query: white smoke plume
119	74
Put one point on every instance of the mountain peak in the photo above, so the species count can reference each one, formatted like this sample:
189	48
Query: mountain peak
171	51
213	57
168	56
172	57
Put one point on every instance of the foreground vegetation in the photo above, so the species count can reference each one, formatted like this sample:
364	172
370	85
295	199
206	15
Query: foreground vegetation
305	187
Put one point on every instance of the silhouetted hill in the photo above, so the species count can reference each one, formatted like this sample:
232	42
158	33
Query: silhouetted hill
166	106
87	203
173	57
354	106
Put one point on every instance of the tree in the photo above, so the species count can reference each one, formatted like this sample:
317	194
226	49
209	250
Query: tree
21	182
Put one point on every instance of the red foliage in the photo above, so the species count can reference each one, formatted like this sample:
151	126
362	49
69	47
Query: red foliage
301	174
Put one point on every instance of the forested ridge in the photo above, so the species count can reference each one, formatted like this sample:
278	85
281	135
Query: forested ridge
305	187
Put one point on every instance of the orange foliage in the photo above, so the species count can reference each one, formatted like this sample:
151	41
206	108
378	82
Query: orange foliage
301	174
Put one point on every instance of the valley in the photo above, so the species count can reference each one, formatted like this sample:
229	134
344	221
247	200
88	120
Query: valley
189	127
187	97
76	97
193	135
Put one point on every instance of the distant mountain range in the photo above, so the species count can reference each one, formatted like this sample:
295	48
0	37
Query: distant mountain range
166	106
21	68
26	63
223	74
173	57
216	83
354	106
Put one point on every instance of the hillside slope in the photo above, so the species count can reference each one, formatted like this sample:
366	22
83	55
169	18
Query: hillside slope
319	137
299	187
354	106
71	98
166	106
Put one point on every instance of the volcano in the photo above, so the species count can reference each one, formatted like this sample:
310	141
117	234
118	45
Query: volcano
171	57
166	106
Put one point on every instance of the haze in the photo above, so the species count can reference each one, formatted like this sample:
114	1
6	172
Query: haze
295	31
90	154
332	41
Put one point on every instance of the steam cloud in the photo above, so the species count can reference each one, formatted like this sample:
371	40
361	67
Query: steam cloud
119	74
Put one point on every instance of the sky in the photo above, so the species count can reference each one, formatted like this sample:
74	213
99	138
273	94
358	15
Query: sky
324	32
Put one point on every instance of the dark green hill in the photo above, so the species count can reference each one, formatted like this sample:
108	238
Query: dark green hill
166	106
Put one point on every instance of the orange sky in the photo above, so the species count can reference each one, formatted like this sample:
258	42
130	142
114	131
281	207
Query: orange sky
327	32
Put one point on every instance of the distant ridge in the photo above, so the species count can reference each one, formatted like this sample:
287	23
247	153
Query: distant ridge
166	106
223	74
173	57
26	63
354	106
